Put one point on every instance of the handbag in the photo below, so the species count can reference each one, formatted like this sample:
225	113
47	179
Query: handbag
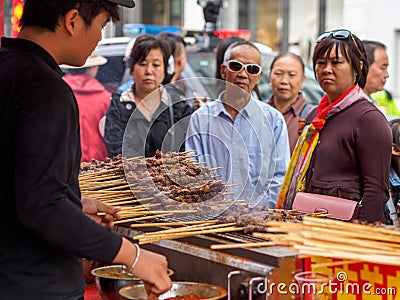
335	207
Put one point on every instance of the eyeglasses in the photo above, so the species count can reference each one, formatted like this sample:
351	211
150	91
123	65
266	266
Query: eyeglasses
341	34
237	66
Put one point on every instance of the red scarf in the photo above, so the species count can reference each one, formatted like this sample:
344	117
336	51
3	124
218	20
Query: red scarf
324	108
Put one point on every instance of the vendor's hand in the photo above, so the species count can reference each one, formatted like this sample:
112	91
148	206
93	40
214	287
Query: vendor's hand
199	101
152	268
91	207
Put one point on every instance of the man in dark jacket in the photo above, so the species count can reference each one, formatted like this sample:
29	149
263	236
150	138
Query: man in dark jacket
44	232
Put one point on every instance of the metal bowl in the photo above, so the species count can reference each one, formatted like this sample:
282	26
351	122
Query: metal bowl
110	279
203	290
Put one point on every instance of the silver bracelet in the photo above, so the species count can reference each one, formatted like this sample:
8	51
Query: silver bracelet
136	258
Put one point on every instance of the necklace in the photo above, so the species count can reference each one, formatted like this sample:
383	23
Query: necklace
150	110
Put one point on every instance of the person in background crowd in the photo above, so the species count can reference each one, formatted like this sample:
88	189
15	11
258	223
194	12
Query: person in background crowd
93	101
286	78
43	226
178	50
176	62
386	103
346	150
155	108
394	177
245	136
378	61
220	53
378	64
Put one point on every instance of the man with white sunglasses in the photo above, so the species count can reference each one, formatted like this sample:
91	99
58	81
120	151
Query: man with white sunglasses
246	137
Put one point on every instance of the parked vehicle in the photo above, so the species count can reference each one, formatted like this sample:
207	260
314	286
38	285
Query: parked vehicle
111	74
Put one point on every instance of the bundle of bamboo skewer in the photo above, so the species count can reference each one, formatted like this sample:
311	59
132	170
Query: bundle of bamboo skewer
337	239
134	184
205	227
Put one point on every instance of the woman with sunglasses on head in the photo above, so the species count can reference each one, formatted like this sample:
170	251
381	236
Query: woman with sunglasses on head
346	150
247	137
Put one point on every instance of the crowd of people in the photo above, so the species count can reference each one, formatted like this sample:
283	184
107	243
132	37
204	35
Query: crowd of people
270	149
245	134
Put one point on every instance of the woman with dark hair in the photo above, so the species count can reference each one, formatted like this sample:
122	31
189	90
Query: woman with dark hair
139	119
346	150
286	78
394	177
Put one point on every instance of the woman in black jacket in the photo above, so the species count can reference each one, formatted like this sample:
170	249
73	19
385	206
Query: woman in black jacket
148	116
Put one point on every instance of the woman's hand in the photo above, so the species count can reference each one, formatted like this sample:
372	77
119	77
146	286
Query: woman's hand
92	207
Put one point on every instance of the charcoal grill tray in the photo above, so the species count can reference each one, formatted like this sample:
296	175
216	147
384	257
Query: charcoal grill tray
270	255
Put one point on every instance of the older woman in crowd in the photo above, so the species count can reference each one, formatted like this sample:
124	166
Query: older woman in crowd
346	151
287	78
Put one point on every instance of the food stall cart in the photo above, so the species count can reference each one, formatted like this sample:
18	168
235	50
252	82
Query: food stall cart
362	260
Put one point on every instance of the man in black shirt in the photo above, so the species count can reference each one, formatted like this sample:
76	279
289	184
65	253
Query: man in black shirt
44	232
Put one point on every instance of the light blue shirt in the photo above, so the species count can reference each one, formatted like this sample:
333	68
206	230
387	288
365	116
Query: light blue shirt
253	150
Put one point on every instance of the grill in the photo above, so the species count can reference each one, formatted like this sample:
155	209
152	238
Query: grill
239	270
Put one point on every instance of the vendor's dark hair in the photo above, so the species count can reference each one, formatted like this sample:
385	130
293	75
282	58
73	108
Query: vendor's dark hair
47	13
353	51
143	45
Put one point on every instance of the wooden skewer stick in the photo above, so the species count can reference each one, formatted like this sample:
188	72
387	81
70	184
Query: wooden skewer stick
228	193
100	192
186	234
187	211
111	199
190	156
99	172
267	236
245	245
187	151
172	223
138	219
216	168
134	158
116	203
100	178
186	229
120	187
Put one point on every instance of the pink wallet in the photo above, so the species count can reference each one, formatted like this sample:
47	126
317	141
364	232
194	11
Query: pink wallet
337	208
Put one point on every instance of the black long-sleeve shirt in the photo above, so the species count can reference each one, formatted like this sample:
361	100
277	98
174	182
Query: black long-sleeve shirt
42	227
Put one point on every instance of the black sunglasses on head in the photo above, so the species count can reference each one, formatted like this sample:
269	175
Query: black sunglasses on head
341	34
